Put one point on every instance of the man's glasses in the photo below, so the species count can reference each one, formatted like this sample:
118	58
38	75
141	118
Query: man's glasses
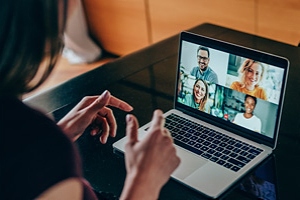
202	58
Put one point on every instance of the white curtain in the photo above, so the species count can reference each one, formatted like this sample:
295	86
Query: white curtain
79	48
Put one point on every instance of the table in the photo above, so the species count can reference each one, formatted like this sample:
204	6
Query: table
145	79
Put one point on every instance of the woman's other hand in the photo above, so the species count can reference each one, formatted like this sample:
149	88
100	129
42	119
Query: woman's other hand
150	162
92	112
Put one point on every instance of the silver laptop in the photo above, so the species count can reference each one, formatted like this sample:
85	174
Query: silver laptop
227	108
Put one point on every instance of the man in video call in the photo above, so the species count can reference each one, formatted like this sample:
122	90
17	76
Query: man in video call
203	71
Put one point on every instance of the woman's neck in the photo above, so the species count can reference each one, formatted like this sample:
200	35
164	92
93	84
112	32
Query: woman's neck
250	87
248	115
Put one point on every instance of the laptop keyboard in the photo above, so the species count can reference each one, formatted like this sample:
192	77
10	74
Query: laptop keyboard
210	144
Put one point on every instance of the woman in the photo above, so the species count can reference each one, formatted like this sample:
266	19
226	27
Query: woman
38	158
199	97
251	74
248	119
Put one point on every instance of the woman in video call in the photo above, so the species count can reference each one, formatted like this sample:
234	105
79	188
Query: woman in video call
248	119
251	73
199	97
38	157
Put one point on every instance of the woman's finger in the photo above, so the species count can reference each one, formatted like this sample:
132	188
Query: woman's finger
110	120
96	126
105	131
100	127
107	99
99	103
132	126
118	103
158	119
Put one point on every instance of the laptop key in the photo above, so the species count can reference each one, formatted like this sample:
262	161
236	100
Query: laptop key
181	132
174	134
231	142
179	125
193	138
185	140
203	136
185	128
211	151
191	131
245	148
224	157
214	159
218	154
219	149
188	135
212	134
238	145
197	133
236	150
229	147
204	148
218	137
226	152
254	152
228	165
216	141
223	144
179	137
224	139
250	156
244	153
236	162
200	140
206	155
235	168
192	143
221	162
243	159
233	155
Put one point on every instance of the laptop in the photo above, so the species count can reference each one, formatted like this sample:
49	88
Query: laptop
221	128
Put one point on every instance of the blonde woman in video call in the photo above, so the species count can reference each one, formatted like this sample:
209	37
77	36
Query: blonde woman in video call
251	73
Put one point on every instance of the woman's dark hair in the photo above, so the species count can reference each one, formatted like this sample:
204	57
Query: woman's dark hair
30	34
254	98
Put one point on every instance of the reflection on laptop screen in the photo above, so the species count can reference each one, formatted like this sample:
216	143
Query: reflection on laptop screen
233	88
262	183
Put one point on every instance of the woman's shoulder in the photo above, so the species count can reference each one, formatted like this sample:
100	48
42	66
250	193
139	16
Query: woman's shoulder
239	115
256	118
33	146
258	88
20	119
188	97
260	93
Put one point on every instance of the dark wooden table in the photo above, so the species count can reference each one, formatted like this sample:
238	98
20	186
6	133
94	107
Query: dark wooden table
145	80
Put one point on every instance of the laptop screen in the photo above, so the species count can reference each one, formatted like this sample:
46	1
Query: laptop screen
239	88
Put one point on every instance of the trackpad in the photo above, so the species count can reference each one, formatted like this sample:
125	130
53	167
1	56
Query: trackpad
189	163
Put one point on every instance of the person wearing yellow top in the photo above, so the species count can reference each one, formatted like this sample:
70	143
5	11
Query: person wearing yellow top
251	75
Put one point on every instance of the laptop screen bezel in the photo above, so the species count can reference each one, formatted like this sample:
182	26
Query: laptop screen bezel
231	48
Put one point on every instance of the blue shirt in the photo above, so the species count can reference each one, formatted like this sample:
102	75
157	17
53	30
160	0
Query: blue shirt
208	75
